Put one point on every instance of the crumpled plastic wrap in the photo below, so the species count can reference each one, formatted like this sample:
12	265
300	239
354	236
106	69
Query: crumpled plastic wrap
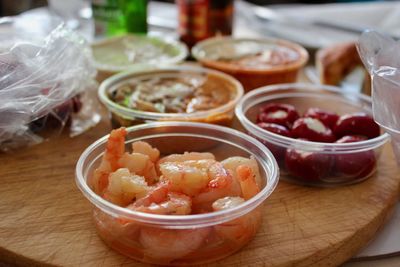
45	86
381	56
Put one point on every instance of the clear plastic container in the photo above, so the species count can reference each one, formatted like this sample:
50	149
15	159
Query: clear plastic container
180	239
379	53
124	116
254	62
126	52
330	164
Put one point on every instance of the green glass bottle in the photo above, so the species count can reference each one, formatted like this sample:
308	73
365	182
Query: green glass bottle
114	17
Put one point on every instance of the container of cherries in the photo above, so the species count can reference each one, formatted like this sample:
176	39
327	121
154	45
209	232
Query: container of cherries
319	135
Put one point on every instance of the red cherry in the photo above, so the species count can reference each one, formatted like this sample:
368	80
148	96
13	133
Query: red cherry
282	114
276	150
355	165
308	166
326	117
275	128
313	130
356	124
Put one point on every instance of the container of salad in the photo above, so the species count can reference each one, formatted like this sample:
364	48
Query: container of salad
174	93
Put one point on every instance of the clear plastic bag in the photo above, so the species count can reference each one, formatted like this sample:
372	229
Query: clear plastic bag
380	55
43	84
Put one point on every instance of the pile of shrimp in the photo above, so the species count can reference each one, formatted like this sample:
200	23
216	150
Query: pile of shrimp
177	184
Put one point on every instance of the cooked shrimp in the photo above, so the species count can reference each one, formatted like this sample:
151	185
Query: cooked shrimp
124	187
146	149
247	181
233	162
175	204
226	203
187	156
156	194
167	245
239	230
221	184
114	149
116	228
188	177
139	164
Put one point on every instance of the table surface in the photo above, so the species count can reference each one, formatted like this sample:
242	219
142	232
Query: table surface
48	220
42	239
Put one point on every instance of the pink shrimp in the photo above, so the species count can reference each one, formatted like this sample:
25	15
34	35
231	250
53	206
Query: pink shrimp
193	156
166	245
247	181
146	149
221	184
124	187
156	194
188	177
115	148
139	164
160	200
232	163
239	231
175	204
115	229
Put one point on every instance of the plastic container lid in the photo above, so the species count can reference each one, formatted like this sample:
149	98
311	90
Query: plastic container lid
128	51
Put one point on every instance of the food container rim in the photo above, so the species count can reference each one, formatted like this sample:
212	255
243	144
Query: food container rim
255	97
131	113
181	47
201	46
266	160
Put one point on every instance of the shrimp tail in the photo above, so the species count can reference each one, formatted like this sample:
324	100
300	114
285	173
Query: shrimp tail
115	147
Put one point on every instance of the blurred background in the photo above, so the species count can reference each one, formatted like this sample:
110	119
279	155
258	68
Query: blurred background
15	7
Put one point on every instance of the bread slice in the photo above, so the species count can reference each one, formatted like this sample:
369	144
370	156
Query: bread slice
335	62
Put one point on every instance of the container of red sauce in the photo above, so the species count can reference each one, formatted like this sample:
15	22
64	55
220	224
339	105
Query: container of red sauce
254	62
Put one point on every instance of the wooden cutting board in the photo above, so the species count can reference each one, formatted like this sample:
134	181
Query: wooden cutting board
45	220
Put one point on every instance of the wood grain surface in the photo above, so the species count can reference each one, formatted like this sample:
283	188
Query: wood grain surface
45	220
